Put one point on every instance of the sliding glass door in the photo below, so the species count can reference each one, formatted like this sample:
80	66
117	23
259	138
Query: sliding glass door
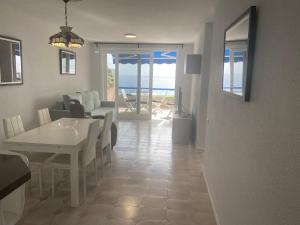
142	83
134	85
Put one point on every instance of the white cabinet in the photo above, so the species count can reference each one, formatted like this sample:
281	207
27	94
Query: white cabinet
193	64
181	131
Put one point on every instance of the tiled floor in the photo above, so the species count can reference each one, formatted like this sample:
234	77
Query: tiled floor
150	182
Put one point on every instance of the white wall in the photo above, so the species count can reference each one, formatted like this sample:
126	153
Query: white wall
96	71
252	162
200	85
43	85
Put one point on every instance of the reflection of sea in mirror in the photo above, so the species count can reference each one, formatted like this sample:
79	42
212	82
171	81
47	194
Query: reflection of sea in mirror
235	56
68	62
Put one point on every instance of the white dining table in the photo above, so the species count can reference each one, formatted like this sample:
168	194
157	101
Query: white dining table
63	136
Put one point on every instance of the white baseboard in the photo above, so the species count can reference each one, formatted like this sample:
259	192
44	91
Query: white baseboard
211	197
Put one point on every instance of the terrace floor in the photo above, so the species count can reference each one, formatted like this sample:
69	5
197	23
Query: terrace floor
150	182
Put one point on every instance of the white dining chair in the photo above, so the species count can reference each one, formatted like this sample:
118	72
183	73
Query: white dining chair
13	126
44	116
87	157
12	206
104	141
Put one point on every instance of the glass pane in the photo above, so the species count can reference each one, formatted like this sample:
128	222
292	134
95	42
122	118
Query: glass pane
227	71
128	79
145	83
68	62
72	63
238	68
110	77
234	70
163	94
18	72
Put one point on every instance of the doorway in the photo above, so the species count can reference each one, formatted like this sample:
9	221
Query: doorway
142	83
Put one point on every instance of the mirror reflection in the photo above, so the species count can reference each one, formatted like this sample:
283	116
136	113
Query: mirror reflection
67	62
10	61
235	56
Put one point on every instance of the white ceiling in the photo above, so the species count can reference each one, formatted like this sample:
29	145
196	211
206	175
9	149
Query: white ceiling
154	21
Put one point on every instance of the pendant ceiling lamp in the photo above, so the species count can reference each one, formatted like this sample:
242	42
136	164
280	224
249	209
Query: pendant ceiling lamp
66	38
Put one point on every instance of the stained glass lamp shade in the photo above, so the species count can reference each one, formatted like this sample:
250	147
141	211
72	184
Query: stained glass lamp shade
66	38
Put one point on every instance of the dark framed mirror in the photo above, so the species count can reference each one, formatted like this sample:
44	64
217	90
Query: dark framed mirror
67	61
239	47
11	70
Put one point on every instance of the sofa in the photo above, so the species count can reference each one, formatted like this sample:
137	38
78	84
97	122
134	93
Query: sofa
91	101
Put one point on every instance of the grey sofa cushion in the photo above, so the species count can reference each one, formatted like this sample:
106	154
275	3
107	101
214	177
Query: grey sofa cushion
59	105
102	111
58	111
88	101
91	102
96	99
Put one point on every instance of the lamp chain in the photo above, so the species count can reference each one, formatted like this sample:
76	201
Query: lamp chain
66	12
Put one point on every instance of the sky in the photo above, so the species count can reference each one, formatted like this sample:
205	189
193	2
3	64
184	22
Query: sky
163	74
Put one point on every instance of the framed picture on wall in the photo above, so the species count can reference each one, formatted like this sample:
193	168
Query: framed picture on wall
67	60
238	57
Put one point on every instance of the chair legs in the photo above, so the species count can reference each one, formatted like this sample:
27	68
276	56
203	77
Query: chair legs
52	182
109	154
84	183
83	175
2	221
40	174
102	163
96	170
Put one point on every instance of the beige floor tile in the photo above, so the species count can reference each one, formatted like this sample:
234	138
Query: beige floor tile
179	195
107	197
93	220
125	212
121	222
154	202
130	200
176	216
150	222
200	196
65	219
100	210
182	205
156	214
160	192
204	218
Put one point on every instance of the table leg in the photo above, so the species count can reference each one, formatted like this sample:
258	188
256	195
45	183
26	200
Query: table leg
2	222
74	180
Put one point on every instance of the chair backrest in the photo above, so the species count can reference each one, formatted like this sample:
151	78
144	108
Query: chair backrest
44	116
13	126
105	133
124	94
89	149
77	110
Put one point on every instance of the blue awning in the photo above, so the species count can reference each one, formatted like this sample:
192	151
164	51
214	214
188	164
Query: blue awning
237	55
160	57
